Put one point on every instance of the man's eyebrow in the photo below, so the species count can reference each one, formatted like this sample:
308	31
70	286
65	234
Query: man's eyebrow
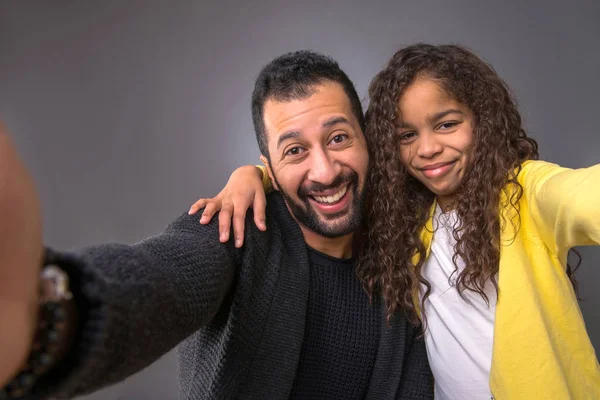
286	136
335	120
327	124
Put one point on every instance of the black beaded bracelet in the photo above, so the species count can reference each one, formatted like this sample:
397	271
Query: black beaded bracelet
49	334
52	334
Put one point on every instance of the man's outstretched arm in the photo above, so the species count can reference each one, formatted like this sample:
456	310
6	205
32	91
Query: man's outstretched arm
133	303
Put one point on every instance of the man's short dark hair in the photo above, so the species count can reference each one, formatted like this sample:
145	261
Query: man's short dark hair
292	76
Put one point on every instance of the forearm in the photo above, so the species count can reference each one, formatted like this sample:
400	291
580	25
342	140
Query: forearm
135	303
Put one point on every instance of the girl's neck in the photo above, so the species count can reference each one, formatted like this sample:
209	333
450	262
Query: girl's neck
446	203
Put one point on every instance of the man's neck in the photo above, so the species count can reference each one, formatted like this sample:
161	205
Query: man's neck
340	247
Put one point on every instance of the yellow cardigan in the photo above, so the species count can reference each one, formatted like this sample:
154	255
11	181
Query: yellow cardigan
541	348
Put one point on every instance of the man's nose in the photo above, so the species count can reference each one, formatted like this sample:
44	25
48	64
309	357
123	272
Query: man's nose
324	168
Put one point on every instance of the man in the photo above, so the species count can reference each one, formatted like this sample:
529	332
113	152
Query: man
282	317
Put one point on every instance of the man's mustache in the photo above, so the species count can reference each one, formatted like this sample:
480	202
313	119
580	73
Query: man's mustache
349	177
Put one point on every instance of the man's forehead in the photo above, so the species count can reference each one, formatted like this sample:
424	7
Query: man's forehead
327	101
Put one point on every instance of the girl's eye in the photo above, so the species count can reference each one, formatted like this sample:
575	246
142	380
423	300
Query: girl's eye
407	136
448	125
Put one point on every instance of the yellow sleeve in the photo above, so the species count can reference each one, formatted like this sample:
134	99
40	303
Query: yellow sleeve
266	181
564	203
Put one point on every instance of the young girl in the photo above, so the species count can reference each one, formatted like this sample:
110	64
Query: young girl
466	231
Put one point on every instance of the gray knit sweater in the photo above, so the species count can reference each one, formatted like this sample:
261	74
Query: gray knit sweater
237	315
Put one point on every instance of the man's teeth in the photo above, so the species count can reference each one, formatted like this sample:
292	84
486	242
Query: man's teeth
333	198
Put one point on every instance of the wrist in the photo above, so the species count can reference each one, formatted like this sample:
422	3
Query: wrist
265	179
51	335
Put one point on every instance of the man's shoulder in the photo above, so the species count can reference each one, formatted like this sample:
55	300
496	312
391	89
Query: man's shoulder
186	224
188	227
277	214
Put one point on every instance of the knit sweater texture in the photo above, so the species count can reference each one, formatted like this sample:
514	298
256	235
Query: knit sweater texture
238	315
341	334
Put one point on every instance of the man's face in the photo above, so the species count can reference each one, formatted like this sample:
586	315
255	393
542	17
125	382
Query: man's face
318	159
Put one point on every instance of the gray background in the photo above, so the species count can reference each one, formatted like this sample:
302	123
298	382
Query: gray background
126	112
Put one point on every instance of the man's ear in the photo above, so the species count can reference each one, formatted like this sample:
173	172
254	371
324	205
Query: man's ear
269	171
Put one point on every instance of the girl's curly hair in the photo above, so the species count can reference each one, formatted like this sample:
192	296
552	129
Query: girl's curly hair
398	205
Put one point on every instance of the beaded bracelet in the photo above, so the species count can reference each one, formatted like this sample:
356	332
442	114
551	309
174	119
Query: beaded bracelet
50	335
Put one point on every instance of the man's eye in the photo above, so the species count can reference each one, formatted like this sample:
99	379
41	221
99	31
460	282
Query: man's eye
338	139
294	151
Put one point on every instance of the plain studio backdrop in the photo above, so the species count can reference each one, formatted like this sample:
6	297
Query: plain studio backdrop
127	112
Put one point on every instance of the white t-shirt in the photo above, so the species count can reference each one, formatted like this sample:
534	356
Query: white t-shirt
460	331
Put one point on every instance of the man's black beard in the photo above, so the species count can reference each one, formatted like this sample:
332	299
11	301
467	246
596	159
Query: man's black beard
306	215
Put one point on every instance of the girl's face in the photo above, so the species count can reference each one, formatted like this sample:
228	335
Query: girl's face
435	138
